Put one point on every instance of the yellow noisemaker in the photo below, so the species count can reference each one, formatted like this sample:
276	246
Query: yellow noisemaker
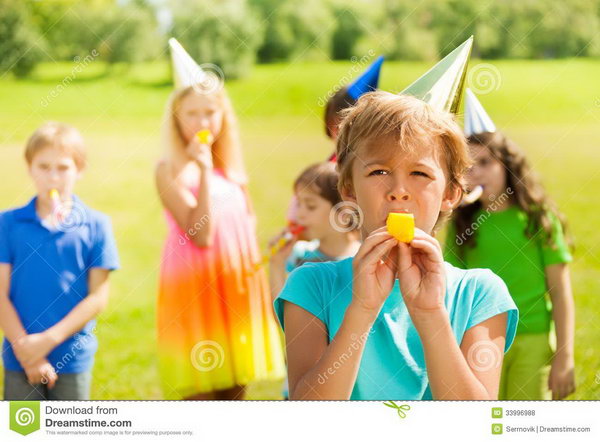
401	226
205	137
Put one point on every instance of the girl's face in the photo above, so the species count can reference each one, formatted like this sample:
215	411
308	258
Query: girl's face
487	171
414	183
197	112
313	214
52	169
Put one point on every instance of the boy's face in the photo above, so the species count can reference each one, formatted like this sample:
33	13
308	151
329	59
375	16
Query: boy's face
52	169
197	112
487	171
313	213
415	182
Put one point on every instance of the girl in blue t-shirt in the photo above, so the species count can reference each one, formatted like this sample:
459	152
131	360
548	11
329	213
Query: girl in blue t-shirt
395	321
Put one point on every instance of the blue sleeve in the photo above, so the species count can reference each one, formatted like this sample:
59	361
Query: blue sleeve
303	288
5	252
104	250
492	298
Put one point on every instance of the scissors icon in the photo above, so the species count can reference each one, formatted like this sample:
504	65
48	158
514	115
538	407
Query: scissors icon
399	408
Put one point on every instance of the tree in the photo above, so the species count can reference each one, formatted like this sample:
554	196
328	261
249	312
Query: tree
21	46
227	33
294	29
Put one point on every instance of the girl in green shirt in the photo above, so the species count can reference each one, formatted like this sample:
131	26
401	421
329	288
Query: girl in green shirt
517	232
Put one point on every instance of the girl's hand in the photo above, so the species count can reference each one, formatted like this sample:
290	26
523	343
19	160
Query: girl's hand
374	269
279	258
562	376
200	153
41	372
422	275
33	347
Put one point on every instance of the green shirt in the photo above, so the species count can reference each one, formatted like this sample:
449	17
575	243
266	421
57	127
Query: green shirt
503	247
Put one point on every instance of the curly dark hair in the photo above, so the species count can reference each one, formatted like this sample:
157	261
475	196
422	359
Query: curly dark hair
528	193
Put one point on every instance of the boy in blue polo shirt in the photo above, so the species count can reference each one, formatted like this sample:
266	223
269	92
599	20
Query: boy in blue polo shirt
55	257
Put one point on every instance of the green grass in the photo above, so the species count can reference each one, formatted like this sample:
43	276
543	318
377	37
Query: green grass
552	108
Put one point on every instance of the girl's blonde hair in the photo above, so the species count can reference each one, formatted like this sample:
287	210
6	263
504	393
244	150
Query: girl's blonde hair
409	122
58	136
226	149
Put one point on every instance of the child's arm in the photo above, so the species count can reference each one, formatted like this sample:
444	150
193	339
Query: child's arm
317	370
191	212
562	372
423	285
277	270
471	372
9	319
41	371
37	345
276	279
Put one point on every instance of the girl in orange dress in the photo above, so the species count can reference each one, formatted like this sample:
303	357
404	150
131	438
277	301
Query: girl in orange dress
216	328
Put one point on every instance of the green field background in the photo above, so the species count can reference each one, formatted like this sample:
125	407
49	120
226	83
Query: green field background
551	108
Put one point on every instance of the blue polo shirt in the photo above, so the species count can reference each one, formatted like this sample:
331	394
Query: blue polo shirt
49	276
393	361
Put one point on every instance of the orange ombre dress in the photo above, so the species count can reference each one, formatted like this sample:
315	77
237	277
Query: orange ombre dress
216	327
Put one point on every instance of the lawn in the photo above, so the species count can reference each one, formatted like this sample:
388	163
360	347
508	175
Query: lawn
551	108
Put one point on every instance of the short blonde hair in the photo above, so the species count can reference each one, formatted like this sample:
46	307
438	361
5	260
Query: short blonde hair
58	136
409	122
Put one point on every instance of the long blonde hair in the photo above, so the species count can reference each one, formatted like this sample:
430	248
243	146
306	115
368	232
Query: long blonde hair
226	150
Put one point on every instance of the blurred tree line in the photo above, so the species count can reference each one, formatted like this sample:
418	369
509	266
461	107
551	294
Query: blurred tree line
235	34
